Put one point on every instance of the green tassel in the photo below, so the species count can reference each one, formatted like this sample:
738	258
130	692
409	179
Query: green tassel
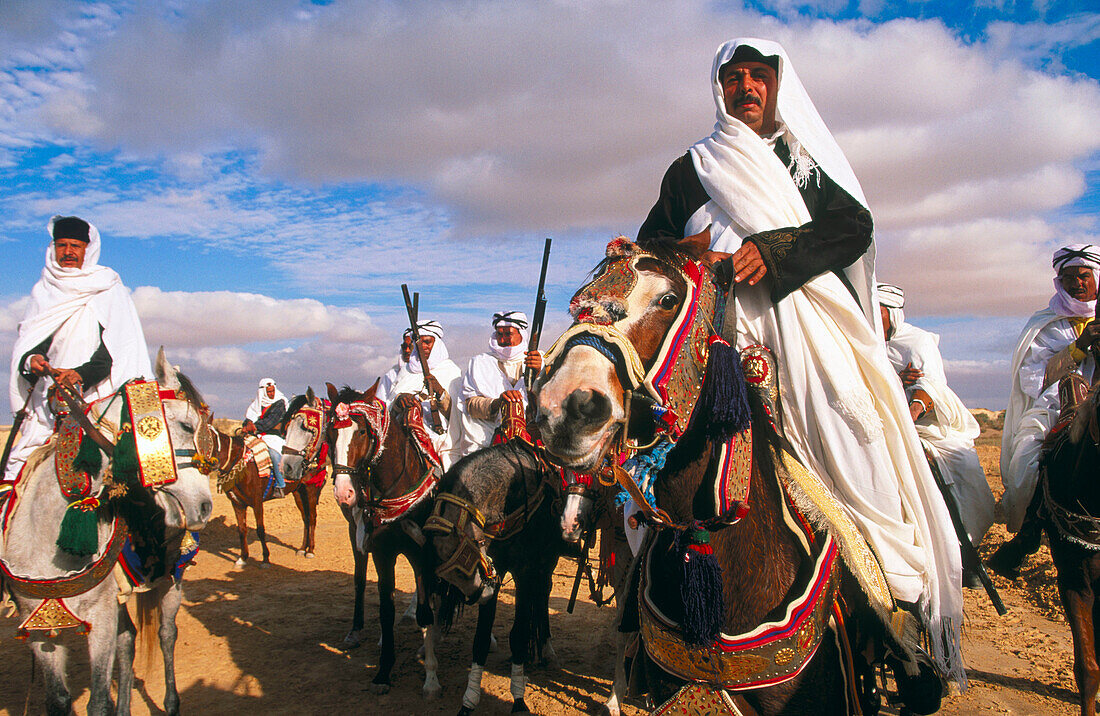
79	533
89	458
125	466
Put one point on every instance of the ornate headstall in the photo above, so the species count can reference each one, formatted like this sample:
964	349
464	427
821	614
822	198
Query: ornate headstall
377	418
152	441
675	378
468	525
313	420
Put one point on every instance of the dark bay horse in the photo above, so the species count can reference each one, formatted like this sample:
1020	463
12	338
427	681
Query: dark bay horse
737	592
1071	503
239	478
499	512
382	466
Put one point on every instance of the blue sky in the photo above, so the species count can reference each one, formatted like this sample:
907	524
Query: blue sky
266	175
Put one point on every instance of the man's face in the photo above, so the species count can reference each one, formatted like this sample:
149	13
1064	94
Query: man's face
270	390
1078	282
406	347
749	89
885	313
426	345
507	336
69	252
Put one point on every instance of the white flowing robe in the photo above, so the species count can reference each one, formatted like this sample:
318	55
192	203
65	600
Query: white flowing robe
71	304
949	430
843	408
487	376
1031	411
449	376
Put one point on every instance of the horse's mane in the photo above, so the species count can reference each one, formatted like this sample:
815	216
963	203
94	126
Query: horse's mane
347	394
296	404
190	392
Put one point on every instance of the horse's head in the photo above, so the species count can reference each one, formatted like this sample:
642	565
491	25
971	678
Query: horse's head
355	435
187	502
641	325
579	505
305	432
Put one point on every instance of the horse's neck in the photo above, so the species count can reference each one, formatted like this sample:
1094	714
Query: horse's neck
758	554
399	467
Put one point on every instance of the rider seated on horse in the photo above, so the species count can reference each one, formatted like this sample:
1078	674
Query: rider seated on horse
264	417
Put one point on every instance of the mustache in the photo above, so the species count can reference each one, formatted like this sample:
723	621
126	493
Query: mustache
746	98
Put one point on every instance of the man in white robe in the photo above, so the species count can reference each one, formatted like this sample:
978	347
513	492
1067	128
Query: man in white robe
444	386
495	377
946	428
1057	340
262	417
81	328
774	190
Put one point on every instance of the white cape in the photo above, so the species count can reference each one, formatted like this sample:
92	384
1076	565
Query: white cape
485	377
450	377
843	408
949	431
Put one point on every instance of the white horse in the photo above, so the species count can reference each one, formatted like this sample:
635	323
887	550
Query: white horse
31	558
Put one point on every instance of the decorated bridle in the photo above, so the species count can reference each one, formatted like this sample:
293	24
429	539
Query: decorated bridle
313	420
674	383
375	416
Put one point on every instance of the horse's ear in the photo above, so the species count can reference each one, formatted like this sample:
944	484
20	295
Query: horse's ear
310	397
333	394
695	245
372	392
165	372
620	247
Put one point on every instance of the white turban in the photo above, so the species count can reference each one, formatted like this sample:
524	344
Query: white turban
259	405
439	350
892	298
1086	255
516	319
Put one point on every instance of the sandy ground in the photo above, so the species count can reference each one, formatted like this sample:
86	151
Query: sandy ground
258	640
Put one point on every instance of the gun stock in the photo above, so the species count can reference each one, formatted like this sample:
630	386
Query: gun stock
412	308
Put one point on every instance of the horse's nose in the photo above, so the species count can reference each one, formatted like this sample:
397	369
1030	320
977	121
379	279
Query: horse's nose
587	408
206	508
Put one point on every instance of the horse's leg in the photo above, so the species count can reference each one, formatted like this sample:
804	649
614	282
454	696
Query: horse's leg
613	705
124	650
303	510
519	639
486	615
313	495
169	607
384	564
359	578
240	511
102	641
1077	600
53	655
258	511
541	616
425	619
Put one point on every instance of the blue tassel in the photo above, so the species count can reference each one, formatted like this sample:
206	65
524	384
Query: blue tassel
700	588
724	399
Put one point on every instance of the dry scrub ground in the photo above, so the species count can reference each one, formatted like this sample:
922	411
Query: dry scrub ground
258	640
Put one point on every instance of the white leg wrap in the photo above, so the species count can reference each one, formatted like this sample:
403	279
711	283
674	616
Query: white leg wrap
519	682
473	687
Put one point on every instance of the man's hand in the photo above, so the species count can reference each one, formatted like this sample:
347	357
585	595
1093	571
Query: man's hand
497	404
38	365
434	387
68	378
1089	337
439	397
533	360
910	375
748	264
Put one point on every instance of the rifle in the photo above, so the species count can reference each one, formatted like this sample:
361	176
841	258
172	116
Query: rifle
538	316
969	554
16	423
412	307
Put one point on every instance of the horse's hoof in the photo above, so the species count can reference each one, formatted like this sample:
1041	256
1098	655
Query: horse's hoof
239	564
518	707
310	555
300	552
433	694
380	689
465	711
352	640
492	643
264	565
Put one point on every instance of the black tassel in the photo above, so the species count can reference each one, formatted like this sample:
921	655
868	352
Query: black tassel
724	400
700	588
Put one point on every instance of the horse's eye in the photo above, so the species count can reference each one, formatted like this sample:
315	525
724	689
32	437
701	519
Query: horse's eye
360	431
668	301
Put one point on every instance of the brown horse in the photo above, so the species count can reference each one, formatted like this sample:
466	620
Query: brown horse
239	478
1071	501
729	560
382	466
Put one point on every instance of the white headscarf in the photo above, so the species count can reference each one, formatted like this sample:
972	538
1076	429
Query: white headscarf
71	304
1086	255
439	350
257	407
743	176
892	298
518	320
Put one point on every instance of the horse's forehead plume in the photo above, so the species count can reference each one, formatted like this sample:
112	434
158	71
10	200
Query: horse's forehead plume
621	247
